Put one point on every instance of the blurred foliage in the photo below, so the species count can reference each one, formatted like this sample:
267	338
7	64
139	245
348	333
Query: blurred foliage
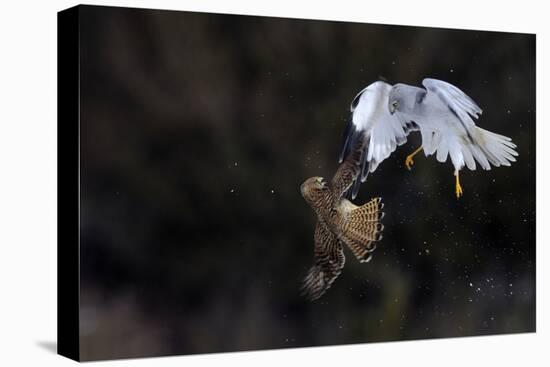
196	132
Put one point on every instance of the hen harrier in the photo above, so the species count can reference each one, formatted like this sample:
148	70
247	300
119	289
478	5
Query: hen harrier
339	221
443	114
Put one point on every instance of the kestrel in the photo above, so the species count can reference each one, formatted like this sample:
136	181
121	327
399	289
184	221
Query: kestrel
444	115
339	222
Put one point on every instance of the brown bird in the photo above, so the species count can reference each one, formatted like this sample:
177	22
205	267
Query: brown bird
339	221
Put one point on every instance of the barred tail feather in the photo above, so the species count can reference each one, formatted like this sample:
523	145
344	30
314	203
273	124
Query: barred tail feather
363	228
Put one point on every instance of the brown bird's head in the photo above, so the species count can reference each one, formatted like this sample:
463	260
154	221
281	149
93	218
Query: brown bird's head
313	188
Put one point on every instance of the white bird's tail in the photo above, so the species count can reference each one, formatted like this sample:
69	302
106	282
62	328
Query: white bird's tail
498	149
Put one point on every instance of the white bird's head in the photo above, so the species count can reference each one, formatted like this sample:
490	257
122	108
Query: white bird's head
405	98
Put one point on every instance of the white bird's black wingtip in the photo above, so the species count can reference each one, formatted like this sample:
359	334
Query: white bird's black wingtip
348	140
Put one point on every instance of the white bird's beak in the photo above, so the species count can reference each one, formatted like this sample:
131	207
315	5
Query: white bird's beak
391	107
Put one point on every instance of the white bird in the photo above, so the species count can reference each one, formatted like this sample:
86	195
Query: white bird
443	114
379	130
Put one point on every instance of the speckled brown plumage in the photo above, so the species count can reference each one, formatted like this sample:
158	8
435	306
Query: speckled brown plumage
339	222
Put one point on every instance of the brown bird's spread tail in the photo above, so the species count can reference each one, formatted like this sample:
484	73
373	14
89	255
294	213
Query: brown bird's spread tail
362	228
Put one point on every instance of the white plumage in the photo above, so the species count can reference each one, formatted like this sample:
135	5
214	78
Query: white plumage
383	115
445	117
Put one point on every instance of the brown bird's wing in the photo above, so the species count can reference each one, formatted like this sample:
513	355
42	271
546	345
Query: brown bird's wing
347	173
362	228
329	260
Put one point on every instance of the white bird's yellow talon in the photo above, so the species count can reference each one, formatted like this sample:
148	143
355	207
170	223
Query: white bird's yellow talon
458	188
409	160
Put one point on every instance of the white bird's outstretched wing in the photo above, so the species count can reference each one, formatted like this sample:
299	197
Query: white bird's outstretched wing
452	131
458	102
372	126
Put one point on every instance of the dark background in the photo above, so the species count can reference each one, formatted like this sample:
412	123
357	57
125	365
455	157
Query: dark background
196	133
